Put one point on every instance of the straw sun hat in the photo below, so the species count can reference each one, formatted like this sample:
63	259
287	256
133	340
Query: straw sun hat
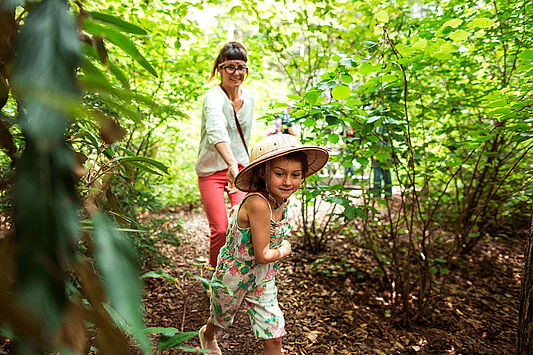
275	146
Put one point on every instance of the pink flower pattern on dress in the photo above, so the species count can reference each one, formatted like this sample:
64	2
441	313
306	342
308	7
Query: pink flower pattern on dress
270	274
234	270
258	291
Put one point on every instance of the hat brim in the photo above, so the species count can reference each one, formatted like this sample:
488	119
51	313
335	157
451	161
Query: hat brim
317	157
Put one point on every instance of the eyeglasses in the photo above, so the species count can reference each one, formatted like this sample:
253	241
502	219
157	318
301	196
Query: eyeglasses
230	69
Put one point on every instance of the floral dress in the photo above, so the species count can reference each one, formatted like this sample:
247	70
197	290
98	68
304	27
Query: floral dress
239	277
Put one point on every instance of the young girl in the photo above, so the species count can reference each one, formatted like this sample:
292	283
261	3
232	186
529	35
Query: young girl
247	264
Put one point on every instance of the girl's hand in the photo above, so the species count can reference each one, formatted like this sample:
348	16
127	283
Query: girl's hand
285	248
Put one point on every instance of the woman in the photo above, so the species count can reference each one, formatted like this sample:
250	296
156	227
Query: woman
226	125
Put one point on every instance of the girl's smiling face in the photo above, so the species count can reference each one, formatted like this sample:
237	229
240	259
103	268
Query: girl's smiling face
285	177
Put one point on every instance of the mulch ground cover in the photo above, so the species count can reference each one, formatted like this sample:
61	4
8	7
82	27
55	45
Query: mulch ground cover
333	305
329	310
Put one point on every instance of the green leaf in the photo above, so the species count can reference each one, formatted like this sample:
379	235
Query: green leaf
168	331
454	23
168	342
347	61
7	332
92	138
117	72
162	167
367	68
205	282
294	97
327	76
118	22
92	69
127	96
341	92
447	48
117	318
350	212
222	285
160	274
235	10
127	110
120	41
498	103
353	102
382	16
312	96
481	22
346	78
459	35
333	138
526	54
479	34
444	51
443	270
46	67
500	111
339	200
360	211
361	160
420	44
189	349
129	220
389	78
310	122
117	262
46	213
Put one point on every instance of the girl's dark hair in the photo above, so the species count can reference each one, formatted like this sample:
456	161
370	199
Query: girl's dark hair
230	51
257	180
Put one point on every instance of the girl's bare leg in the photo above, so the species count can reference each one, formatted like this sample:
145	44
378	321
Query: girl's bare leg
208	335
272	346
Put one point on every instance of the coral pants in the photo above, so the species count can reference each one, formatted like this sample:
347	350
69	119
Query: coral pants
212	189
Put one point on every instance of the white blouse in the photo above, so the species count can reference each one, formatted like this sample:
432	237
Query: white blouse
218	125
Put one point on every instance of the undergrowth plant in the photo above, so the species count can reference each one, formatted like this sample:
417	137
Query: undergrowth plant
444	101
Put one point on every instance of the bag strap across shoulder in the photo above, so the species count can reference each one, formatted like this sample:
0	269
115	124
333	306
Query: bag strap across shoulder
237	123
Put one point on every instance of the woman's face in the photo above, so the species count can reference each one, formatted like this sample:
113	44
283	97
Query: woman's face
232	73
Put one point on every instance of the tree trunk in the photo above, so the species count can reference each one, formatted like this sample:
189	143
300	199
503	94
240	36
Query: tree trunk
525	313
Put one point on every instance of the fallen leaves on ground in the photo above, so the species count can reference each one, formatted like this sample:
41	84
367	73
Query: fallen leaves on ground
474	309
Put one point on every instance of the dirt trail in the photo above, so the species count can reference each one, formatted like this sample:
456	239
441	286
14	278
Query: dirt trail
475	309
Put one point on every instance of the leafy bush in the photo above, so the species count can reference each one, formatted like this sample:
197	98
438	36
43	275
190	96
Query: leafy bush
457	139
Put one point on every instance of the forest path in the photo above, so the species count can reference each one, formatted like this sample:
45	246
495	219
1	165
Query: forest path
187	307
475	310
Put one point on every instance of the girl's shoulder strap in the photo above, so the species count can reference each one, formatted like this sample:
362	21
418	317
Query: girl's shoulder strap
257	193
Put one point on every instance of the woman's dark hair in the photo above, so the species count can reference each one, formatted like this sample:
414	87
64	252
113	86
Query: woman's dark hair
230	51
257	180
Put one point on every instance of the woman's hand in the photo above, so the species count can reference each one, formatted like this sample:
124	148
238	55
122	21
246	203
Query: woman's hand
225	152
233	170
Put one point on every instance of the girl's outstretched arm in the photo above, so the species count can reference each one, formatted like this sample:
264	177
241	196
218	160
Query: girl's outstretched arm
258	213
